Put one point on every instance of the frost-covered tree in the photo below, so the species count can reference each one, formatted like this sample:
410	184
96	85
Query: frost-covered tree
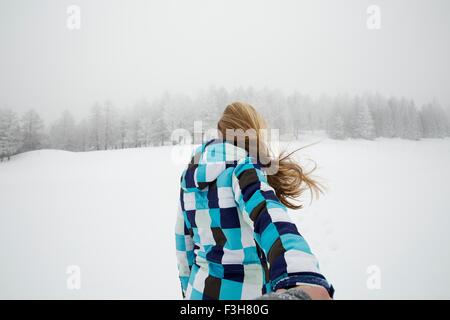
96	127
135	129
109	126
412	129
347	109
123	128
82	135
323	106
399	112
435	121
140	124
336	125
159	131
207	106
32	128
10	134
294	109
63	133
380	113
363	123
273	106
384	121
298	115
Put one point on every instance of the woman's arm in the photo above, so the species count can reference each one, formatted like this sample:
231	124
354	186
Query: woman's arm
291	262
184	250
315	292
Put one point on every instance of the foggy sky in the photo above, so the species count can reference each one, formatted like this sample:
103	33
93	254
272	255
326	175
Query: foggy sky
129	49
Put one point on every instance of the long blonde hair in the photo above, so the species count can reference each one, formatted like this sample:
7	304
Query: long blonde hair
290	180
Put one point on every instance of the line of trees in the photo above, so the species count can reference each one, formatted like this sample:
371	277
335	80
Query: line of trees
372	116
20	135
150	123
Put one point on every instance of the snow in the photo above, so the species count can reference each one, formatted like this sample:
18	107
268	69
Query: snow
112	213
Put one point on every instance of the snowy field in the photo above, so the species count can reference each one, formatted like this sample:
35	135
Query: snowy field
112	213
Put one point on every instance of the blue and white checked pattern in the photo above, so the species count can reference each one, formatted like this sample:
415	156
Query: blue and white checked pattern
234	239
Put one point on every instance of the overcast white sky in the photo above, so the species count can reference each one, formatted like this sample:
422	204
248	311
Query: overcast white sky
130	49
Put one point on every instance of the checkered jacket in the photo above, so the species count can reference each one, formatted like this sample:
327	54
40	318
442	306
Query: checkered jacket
234	239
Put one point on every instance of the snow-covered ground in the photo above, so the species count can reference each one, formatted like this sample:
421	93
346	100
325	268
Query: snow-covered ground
112	212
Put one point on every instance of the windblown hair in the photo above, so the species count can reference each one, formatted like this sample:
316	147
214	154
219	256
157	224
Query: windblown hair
290	180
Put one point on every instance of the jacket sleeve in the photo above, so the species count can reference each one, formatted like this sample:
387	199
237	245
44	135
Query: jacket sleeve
289	257
184	250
